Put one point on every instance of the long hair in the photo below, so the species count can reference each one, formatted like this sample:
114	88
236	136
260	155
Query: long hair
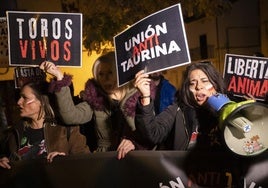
40	90
108	57
213	75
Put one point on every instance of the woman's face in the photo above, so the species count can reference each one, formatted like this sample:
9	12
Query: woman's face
200	86
29	105
106	76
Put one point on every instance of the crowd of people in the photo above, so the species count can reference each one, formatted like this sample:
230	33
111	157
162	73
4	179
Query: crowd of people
146	114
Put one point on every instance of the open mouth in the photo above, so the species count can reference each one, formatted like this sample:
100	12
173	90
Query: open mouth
201	97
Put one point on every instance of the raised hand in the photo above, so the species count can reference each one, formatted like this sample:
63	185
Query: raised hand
142	83
52	69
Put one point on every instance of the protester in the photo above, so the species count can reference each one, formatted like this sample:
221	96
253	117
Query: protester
3	118
39	135
165	92
189	122
108	105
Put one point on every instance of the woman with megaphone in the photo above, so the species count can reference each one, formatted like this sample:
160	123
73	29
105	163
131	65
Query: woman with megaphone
192	122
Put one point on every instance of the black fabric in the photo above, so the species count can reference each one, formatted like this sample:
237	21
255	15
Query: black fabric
140	169
5	136
118	123
210	136
157	98
32	144
33	136
89	131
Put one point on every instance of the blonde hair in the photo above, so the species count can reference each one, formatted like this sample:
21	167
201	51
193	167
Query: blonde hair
108	57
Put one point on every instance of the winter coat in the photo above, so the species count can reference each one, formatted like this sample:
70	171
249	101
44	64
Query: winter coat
171	129
175	128
111	124
57	138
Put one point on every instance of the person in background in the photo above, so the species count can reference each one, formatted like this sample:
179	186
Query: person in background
3	118
258	54
189	123
165	92
39	135
109	106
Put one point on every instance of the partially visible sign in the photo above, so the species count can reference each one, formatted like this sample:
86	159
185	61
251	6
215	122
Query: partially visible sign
143	169
157	42
38	36
3	42
246	75
26	74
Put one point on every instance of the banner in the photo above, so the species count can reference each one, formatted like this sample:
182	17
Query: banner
246	75
155	43
3	42
174	169
35	37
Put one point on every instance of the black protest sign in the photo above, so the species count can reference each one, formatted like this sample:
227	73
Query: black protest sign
141	169
38	36
157	42
27	74
246	75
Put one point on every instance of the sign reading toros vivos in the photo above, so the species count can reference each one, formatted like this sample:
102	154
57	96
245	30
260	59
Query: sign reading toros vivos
38	36
157	42
246	75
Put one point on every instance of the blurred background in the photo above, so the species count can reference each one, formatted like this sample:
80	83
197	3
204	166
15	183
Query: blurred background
213	28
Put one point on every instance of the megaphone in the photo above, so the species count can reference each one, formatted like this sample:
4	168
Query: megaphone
244	124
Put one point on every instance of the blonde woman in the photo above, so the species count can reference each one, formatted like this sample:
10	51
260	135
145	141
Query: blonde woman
111	108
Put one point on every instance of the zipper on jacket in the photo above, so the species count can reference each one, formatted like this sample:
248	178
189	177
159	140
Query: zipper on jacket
185	129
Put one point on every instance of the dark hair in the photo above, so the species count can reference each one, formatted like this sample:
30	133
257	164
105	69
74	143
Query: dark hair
258	54
213	75
40	90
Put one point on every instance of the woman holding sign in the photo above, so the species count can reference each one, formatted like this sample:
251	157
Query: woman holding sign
111	108
182	124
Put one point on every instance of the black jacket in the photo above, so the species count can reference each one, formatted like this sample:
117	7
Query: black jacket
170	130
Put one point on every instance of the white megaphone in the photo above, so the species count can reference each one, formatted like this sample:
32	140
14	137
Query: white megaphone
244	124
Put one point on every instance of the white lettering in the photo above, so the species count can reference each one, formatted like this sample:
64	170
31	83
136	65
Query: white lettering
20	21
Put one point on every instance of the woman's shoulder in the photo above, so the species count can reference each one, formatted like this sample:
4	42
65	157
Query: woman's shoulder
7	136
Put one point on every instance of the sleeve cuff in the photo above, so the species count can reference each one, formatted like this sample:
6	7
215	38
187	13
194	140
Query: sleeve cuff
56	85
